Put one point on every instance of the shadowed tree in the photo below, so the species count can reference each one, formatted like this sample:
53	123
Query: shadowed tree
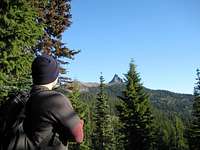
83	111
28	28
103	135
19	31
194	131
56	16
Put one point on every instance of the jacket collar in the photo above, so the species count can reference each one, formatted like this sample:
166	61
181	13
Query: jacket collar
38	88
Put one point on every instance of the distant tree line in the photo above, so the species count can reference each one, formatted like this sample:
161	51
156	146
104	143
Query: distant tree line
134	122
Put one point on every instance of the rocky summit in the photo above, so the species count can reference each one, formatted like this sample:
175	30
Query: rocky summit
116	80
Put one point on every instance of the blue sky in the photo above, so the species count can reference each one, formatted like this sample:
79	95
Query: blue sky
162	36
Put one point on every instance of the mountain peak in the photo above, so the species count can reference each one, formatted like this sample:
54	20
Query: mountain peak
116	80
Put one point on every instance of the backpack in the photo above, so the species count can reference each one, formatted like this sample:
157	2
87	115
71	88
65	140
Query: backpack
12	136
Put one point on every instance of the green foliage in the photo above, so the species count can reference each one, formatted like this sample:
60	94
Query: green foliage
135	114
56	16
19	31
103	135
166	101
170	102
170	132
166	107
194	131
27	25
169	121
83	111
180	140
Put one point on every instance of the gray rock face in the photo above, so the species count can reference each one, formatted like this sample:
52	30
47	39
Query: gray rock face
116	80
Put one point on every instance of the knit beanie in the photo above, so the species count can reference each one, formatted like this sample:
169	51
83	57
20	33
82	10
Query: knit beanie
45	70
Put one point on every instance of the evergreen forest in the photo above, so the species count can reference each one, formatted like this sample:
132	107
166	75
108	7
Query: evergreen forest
121	115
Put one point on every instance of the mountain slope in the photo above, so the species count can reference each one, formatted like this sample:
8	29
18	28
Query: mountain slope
166	101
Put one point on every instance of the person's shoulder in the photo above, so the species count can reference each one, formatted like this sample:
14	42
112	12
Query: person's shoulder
60	98
59	95
56	94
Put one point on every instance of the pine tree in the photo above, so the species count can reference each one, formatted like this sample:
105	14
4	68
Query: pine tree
83	111
164	131
25	24
19	31
117	142
56	16
103	137
135	114
180	141
194	131
170	131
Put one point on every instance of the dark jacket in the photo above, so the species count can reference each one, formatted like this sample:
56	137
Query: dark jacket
50	119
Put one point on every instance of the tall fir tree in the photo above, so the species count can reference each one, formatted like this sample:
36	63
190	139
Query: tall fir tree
103	135
19	31
56	16
135	114
194	131
25	24
180	140
83	111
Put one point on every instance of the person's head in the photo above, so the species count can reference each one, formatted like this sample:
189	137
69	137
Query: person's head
45	71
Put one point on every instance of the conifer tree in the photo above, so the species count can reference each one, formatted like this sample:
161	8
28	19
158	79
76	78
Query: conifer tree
83	111
19	31
135	114
25	24
103	137
194	131
180	141
170	131
56	16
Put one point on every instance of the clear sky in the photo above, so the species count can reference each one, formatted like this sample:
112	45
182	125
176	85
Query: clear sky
162	36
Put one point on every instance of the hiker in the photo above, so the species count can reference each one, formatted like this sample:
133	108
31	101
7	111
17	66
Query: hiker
50	118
